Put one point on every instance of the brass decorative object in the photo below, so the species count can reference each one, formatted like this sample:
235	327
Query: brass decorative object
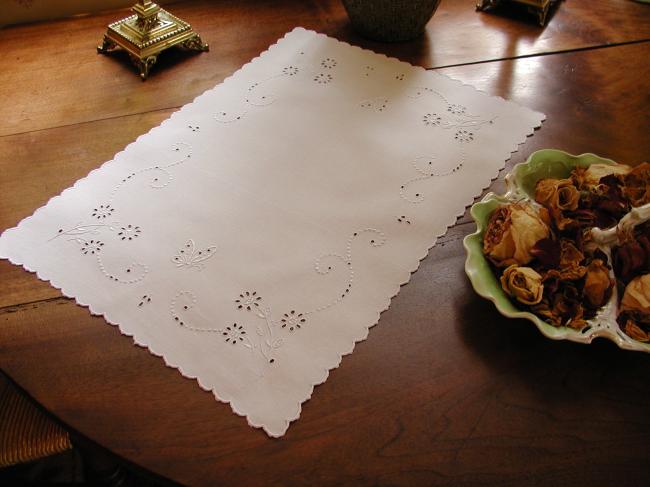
149	32
537	7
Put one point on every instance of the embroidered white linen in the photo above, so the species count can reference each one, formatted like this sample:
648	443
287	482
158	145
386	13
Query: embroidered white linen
253	237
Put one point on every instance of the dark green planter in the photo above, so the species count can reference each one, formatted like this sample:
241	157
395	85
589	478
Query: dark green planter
390	20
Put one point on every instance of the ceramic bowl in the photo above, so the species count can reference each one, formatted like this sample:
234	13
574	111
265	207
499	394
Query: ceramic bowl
520	183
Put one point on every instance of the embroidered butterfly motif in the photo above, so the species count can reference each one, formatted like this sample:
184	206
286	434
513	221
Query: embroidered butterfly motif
190	256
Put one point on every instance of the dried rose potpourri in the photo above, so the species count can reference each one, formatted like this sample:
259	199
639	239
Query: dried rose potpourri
632	268
546	261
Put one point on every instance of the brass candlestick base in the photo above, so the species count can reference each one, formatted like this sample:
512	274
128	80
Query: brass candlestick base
149	32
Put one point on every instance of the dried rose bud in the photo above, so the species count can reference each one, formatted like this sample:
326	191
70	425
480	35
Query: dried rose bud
557	194
598	284
523	283
512	232
636	186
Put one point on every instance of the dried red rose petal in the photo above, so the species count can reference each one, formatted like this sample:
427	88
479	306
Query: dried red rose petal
636	185
598	285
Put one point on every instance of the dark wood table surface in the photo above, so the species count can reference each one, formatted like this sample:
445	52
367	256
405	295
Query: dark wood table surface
444	391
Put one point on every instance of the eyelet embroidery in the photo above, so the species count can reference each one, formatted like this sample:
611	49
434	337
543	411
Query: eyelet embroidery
129	232
435	120
267	341
91	247
248	300
456	109
194	128
425	90
136	271
378	104
432	119
462	118
292	320
260	101
290	71
328	63
253	99
368	71
189	256
464	136
323	78
427	172
146	299
229	117
234	334
400	77
403	219
162	177
102	211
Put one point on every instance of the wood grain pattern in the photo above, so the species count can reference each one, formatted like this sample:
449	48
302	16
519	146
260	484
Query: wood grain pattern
40	165
453	396
444	391
81	86
603	116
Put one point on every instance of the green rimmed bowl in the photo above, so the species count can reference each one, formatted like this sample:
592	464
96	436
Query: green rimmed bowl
520	183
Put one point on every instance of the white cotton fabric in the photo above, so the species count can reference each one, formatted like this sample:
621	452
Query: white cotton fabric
253	237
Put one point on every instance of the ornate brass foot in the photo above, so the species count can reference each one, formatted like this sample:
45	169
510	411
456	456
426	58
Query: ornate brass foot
195	44
106	46
149	32
485	4
541	15
143	65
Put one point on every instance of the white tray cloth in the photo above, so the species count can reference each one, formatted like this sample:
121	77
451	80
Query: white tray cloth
253	237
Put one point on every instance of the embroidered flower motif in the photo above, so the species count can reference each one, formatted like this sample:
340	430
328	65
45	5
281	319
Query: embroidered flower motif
328	63
247	300
400	77
194	128
403	219
103	211
378	104
464	136
92	247
293	320
255	85
290	71
456	109
432	119
234	333
129	232
323	78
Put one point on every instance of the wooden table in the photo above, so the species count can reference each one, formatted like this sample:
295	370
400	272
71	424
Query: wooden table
444	391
